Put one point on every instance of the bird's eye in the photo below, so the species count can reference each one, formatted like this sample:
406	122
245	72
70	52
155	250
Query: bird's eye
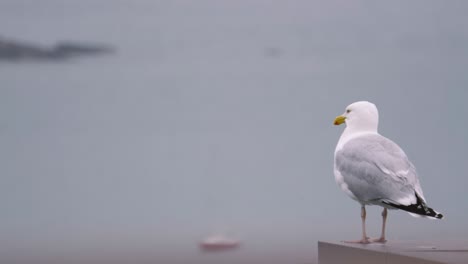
347	111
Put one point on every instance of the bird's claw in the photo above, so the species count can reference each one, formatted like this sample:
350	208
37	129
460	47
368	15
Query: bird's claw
379	240
362	241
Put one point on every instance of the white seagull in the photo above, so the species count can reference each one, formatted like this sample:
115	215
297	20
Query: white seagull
373	170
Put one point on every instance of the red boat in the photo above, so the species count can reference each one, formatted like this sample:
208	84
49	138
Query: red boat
218	243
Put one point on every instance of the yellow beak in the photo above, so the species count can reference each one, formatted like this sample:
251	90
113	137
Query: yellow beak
339	120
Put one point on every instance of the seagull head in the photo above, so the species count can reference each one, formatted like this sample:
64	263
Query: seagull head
362	116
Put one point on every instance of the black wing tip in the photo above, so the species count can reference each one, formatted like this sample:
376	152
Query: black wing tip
431	213
419	208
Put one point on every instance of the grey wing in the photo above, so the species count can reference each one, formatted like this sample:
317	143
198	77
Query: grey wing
376	169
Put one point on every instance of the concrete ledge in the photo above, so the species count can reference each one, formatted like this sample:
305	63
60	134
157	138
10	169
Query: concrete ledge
394	252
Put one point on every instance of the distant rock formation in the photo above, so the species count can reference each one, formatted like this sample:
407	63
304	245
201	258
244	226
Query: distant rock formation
17	51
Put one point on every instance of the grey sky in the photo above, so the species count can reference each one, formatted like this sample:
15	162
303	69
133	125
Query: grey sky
195	127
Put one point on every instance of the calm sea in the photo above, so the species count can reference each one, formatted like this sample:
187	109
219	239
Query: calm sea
215	117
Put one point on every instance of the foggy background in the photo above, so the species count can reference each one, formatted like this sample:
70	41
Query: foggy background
216	117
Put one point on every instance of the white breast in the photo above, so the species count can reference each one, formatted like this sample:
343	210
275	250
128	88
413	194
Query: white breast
345	137
342	184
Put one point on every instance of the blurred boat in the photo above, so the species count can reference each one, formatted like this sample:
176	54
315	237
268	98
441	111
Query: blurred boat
218	243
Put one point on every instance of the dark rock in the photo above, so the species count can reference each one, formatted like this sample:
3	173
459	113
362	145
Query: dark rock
69	48
16	51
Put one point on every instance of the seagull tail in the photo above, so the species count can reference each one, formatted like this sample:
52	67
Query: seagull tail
420	209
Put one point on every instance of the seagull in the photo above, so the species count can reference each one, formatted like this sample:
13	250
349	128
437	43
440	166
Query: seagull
373	170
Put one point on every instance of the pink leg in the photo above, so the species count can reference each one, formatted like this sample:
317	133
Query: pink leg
364	239
384	221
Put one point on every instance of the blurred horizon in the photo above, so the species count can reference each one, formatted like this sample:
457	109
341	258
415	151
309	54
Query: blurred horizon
216	117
